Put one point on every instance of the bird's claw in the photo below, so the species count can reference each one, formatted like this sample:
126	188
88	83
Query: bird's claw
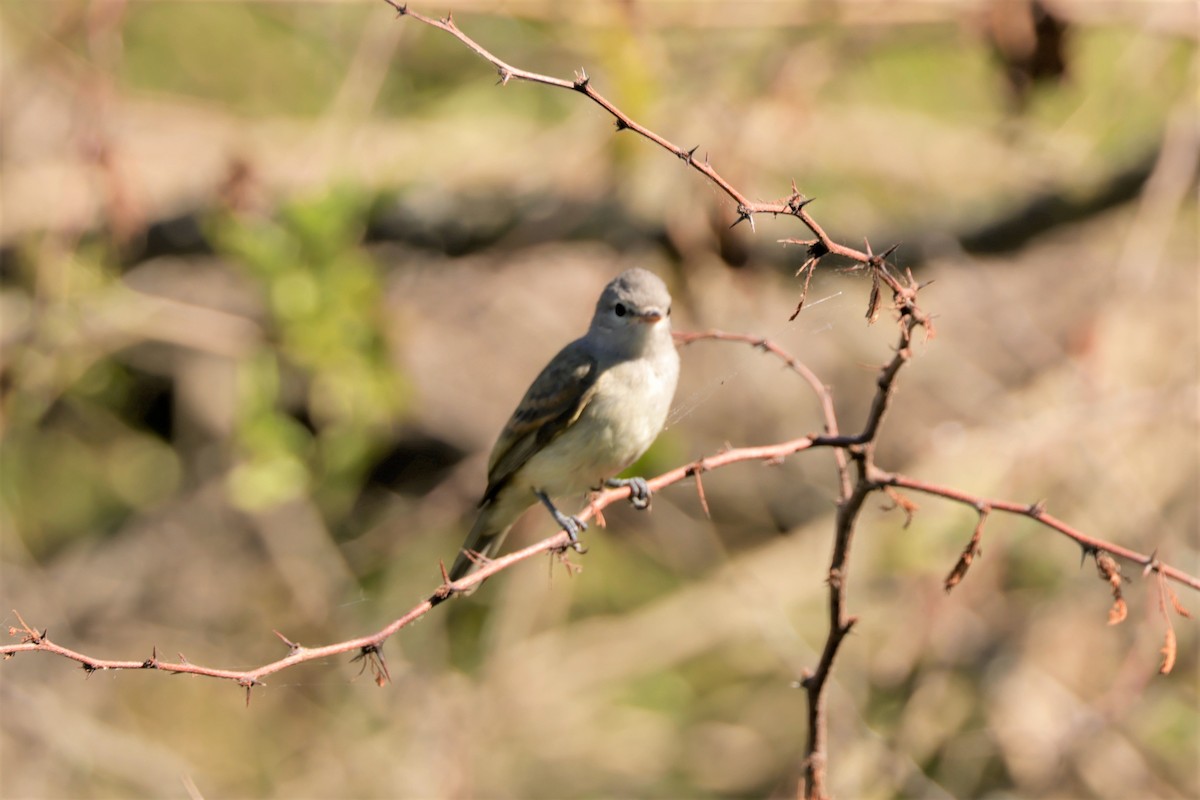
575	526
639	490
572	525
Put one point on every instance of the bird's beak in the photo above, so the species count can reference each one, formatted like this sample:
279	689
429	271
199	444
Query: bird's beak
650	316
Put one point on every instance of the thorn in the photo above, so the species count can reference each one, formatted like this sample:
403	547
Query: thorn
372	655
744	215
797	201
248	684
505	75
686	157
292	646
445	574
477	557
88	668
1152	564
884	255
700	494
622	125
1037	509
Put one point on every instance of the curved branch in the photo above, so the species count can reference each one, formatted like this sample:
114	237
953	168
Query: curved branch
792	205
370	646
1037	512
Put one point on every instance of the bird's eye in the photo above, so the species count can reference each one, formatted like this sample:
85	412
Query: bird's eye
668	311
620	309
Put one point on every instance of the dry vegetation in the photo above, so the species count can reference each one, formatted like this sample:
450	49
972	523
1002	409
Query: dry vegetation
273	276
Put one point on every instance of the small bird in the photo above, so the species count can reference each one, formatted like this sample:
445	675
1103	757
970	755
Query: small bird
590	413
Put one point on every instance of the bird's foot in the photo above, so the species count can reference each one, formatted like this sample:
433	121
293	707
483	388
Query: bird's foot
572	525
639	490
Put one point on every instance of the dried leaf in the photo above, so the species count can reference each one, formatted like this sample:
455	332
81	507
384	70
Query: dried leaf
968	554
1110	571
909	507
873	302
1178	606
1168	652
960	569
372	656
1118	612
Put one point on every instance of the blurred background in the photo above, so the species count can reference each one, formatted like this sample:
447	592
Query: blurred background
275	273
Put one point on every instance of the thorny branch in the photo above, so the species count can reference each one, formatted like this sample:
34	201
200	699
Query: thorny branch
858	475
371	646
858	449
794	204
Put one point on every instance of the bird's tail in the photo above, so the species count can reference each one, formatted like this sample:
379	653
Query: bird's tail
482	543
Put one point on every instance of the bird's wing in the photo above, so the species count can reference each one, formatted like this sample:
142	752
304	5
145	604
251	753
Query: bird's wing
552	403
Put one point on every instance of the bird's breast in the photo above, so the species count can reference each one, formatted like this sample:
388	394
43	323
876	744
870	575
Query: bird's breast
621	421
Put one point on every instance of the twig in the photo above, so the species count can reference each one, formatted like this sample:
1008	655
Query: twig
1037	512
793	205
854	489
370	647
824	396
853	493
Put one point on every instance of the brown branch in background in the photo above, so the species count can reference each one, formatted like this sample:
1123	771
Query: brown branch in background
850	499
861	450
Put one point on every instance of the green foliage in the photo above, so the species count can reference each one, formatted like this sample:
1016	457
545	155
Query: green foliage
315	401
327	364
72	462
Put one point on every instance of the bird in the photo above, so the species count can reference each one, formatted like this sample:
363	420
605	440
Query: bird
593	410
